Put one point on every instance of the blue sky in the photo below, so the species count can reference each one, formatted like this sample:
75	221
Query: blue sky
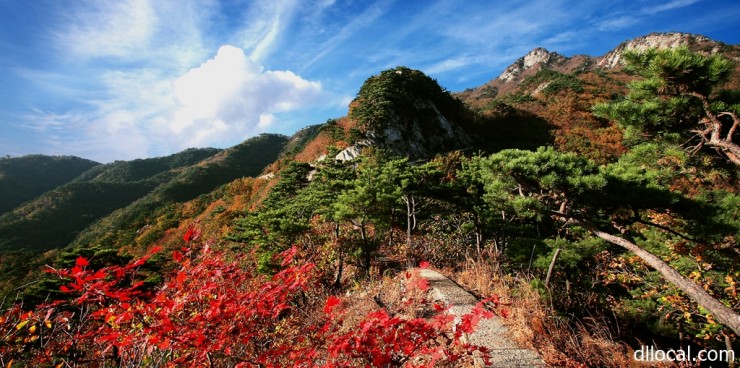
118	80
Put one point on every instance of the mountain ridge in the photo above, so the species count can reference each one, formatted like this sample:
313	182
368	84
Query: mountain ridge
540	57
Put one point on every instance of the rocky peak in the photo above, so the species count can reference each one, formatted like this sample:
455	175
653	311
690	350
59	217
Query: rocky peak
654	40
536	58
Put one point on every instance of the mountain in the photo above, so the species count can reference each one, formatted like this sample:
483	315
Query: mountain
543	98
24	178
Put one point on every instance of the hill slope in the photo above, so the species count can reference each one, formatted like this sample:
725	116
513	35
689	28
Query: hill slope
246	159
25	178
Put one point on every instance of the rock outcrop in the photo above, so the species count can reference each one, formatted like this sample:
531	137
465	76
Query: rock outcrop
406	112
613	58
536	58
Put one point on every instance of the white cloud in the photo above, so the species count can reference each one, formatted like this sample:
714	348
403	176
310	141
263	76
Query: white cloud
231	94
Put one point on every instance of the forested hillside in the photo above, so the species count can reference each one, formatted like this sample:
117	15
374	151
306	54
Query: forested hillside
24	178
53	219
593	203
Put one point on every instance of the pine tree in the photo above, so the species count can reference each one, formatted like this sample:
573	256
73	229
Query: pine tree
576	192
675	100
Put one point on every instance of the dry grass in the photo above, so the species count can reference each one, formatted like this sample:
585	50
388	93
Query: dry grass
533	323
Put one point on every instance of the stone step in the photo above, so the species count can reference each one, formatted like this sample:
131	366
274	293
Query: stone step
490	333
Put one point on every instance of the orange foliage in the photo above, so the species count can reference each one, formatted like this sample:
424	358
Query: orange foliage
579	131
315	148
260	191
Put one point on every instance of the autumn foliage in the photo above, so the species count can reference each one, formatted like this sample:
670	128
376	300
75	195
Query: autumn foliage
215	310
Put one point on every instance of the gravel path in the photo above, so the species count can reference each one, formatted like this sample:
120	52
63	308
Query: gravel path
490	333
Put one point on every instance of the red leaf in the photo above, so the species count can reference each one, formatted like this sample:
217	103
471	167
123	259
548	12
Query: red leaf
332	302
419	283
81	262
191	234
181	277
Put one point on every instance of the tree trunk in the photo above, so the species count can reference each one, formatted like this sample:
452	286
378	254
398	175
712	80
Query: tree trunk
478	236
340	261
410	224
340	270
721	312
552	266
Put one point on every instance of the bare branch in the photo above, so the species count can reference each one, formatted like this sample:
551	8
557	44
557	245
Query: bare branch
735	123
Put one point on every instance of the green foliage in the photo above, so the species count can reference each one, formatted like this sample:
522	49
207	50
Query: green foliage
565	175
633	197
667	102
673	71
514	98
285	214
572	256
396	92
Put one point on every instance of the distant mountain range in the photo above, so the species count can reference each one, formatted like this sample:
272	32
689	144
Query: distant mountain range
72	194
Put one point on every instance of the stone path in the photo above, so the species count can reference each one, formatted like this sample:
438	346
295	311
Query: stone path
490	333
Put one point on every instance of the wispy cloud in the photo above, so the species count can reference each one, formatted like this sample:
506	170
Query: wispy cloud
157	33
674	4
631	15
367	17
451	64
115	29
619	22
263	24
